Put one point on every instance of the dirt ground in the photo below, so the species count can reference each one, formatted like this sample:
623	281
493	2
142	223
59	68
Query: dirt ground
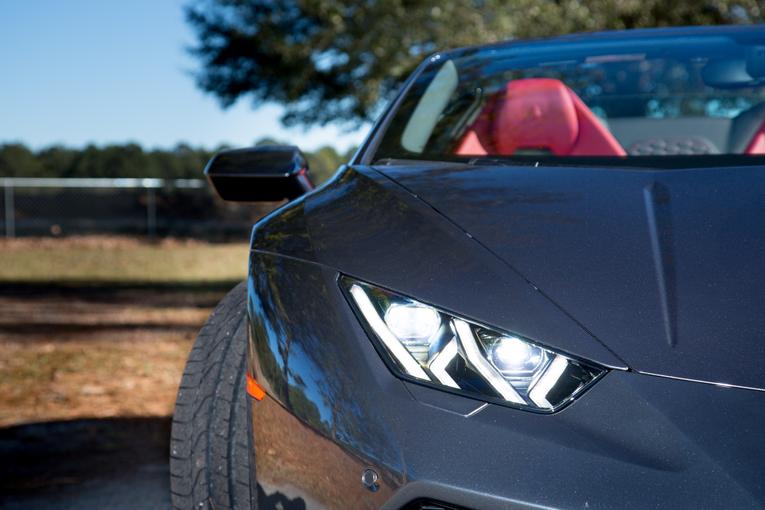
88	378
114	463
94	334
70	353
100	326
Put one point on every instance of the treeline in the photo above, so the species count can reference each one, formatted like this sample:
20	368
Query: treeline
132	160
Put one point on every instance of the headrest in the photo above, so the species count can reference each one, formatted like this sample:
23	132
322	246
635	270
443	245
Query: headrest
535	114
538	114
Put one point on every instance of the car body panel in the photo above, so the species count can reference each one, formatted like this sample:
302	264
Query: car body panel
641	441
320	418
391	238
665	267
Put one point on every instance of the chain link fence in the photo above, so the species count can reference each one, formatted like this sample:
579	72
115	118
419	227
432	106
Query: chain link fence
151	207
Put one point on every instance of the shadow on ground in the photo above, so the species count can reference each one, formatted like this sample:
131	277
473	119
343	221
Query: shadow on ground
160	294
115	463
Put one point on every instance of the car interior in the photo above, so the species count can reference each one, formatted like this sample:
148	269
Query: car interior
643	106
544	116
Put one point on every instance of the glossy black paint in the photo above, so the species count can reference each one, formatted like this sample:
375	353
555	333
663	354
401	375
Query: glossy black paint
368	227
295	312
642	271
640	440
633	441
263	173
665	267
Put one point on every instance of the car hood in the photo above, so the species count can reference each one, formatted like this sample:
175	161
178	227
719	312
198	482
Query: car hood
666	267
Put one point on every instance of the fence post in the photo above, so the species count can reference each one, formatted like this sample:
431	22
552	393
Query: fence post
10	209
151	212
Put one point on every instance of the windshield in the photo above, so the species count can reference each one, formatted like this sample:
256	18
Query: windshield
700	95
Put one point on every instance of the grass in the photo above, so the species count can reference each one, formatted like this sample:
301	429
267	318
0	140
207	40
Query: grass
101	326
68	356
116	260
122	373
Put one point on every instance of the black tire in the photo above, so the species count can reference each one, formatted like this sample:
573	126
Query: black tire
210	455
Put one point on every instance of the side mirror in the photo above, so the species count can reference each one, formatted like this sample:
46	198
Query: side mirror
267	173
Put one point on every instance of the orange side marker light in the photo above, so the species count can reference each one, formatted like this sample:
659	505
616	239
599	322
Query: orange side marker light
254	389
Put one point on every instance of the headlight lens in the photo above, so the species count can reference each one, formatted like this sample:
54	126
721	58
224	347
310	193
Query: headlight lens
433	347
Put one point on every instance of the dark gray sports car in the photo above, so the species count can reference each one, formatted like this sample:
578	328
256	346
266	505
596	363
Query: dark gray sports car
540	283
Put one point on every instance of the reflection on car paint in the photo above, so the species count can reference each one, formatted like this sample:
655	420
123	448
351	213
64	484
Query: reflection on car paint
316	396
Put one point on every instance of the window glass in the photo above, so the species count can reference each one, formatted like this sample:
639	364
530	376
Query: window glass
700	95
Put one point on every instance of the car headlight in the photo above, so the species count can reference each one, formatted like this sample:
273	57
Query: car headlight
427	345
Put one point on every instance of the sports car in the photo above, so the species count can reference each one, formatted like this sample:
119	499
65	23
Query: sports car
539	283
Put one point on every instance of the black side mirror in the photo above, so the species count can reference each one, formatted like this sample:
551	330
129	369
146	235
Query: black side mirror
267	173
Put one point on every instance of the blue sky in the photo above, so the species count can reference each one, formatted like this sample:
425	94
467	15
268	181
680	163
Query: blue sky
85	71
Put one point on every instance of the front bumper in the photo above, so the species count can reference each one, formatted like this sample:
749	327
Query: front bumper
334	410
633	441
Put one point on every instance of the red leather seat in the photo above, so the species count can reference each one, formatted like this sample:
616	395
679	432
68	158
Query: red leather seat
538	114
757	143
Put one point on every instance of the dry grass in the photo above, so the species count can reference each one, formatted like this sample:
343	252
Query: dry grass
70	356
79	340
120	374
97	259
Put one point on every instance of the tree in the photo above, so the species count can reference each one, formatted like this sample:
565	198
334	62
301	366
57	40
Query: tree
55	161
130	160
323	163
330	60
18	161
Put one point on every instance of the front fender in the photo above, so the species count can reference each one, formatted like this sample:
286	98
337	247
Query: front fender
318	427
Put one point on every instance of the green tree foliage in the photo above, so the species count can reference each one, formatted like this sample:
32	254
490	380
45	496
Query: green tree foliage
130	160
330	60
18	161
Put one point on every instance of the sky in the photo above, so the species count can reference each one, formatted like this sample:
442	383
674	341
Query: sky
76	72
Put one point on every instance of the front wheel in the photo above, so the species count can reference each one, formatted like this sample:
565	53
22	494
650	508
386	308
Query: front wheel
210	455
